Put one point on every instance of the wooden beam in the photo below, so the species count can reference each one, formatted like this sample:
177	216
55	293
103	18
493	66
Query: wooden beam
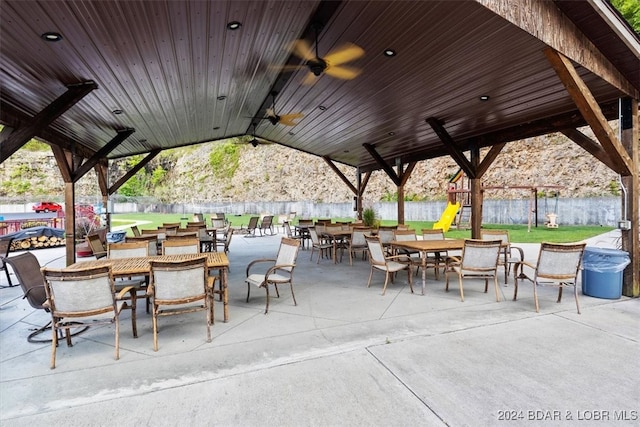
590	110
544	21
451	147
475	185
133	171
337	171
590	146
102	168
407	172
489	159
384	165
44	118
63	159
70	222
102	153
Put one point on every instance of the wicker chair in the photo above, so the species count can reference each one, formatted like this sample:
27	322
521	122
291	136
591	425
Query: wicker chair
5	247
279	272
507	259
76	297
180	287
388	264
558	265
479	261
180	246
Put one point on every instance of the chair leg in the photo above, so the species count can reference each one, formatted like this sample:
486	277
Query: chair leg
560	292
117	337
134	303
248	290
370	276
535	296
266	310
461	290
410	278
54	344
495	280
154	320
209	310
292	294
575	294
386	280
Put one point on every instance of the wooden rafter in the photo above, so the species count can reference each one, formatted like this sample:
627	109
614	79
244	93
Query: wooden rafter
133	171
44	118
384	165
102	153
590	110
590	146
451	147
337	171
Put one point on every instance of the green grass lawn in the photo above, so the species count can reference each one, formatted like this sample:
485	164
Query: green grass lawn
517	233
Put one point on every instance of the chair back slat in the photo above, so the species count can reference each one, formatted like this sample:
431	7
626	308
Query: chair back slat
404	235
288	253
80	291
357	236
181	246
480	254
129	249
429	234
502	235
376	251
559	261
180	280
385	235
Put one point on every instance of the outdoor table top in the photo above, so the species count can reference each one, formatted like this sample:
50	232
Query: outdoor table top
430	245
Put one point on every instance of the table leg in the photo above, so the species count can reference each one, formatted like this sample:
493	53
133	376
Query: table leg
423	258
225	294
335	250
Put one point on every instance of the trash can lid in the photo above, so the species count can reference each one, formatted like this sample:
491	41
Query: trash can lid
605	251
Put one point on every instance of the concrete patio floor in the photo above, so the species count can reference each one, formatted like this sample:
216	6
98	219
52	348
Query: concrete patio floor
345	355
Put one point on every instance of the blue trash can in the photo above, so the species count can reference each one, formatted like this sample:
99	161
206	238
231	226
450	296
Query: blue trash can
602	272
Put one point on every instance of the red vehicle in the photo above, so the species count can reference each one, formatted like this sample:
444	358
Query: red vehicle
46	207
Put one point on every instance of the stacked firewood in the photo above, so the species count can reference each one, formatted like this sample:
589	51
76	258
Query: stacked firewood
37	242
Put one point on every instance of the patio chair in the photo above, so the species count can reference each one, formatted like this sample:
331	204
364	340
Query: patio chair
290	235
357	243
218	223
97	246
266	225
226	241
436	259
180	246
250	231
507	259
76	297
26	267
5	247
323	248
389	265
135	230
180	287
135	284
279	272
404	235
479	260
280	221
386	236
558	265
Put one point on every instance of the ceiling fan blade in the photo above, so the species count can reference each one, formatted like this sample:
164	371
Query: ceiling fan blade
345	53
302	50
344	73
286	67
309	79
290	119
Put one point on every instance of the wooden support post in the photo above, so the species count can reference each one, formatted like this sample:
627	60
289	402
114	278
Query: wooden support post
476	195
70	222
630	133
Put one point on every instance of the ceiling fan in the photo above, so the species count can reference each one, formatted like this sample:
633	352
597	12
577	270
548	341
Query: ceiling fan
285	119
253	141
332	62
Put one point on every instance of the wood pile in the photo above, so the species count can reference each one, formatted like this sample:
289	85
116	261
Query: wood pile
37	242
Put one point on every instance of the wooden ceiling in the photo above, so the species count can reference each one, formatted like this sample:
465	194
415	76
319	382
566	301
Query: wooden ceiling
181	77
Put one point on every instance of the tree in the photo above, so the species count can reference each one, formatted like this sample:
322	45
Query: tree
630	10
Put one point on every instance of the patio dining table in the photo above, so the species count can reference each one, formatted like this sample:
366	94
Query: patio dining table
426	246
141	266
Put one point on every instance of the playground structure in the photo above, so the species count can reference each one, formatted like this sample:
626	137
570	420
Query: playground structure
458	210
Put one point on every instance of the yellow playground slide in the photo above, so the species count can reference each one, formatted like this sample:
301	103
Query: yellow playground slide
447	217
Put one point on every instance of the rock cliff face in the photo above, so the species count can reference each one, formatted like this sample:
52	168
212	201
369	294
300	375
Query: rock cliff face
275	173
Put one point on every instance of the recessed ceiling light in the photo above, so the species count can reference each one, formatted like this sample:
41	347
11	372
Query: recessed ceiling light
234	25
216	128
117	111
291	133
391	133
143	140
345	151
221	98
389	52
51	36
322	108
484	97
